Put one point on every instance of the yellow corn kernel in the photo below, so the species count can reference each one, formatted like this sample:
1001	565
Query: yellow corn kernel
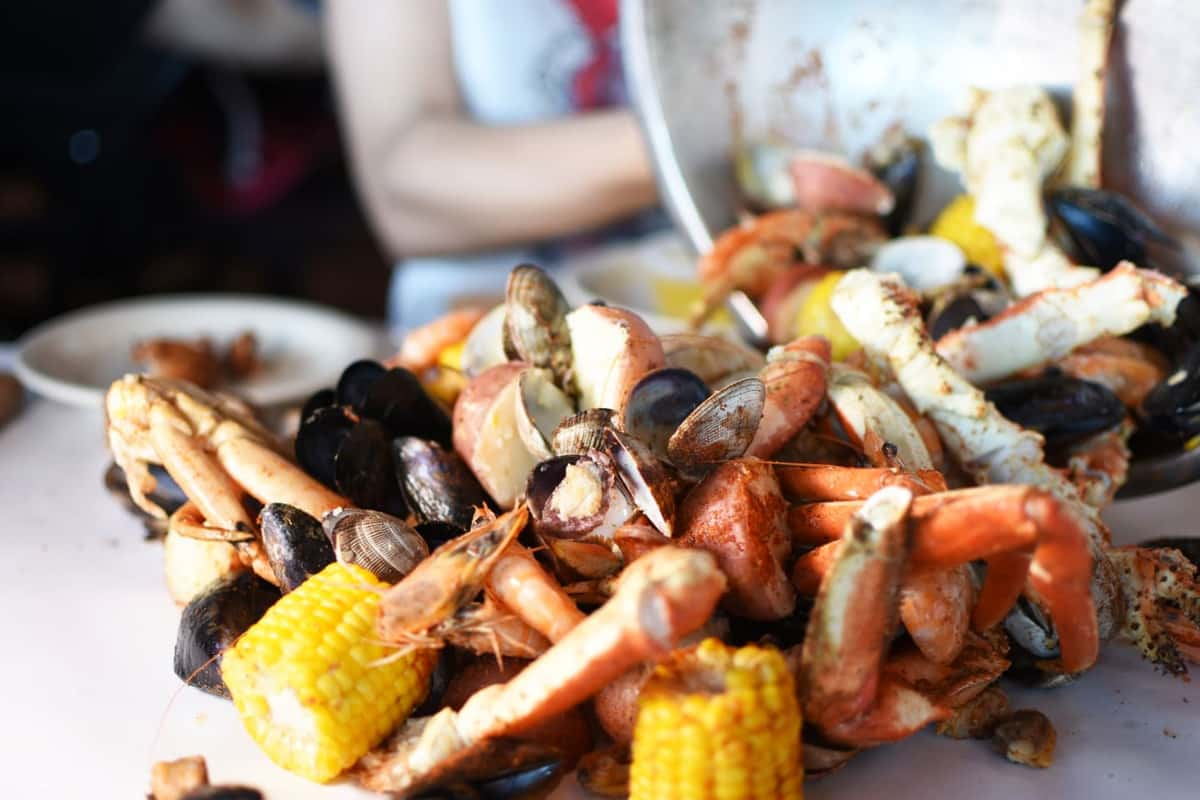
957	224
307	679
817	317
715	723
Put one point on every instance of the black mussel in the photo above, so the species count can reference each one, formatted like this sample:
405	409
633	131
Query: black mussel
1174	341
219	792
439	679
363	469
659	402
496	769
356	382
436	482
1061	408
296	544
318	440
398	400
1172	408
574	496
975	298
896	161
437	534
167	495
322	399
1104	228
378	542
212	621
1188	545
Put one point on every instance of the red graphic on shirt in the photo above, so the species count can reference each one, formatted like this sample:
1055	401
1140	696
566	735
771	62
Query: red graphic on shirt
594	85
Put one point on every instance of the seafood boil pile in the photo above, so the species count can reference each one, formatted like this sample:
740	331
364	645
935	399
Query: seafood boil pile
545	538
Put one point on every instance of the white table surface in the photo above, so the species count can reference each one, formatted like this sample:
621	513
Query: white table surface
90	700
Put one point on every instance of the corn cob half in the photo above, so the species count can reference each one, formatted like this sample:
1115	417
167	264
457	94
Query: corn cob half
715	723
306	679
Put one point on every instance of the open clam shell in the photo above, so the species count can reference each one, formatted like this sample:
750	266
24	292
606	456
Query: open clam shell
484	346
581	432
645	478
720	428
711	358
535	322
578	495
541	406
659	403
378	542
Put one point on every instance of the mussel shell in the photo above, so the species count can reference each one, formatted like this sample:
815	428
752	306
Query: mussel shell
1104	227
494	769
439	679
212	621
1030	629
1061	408
296	544
220	792
355	383
581	432
379	543
899	168
437	483
535	323
322	399
437	534
720	428
398	400
1173	407
660	402
318	441
363	469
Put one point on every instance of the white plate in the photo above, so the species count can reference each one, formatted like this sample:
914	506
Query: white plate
303	347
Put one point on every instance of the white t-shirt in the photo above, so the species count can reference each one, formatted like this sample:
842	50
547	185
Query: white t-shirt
517	62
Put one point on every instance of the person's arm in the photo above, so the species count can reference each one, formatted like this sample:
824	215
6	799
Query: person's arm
436	182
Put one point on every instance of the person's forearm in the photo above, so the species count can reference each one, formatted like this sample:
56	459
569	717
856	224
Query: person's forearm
448	185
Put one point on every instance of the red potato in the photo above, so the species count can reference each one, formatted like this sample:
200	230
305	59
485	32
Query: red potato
739	515
611	350
781	304
826	182
616	704
486	435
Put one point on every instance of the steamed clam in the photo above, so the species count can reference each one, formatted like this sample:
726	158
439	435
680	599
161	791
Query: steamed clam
378	542
535	323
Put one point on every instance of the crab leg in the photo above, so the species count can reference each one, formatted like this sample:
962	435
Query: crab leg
535	597
663	596
198	473
1087	114
991	523
270	477
935	609
1164	607
815	482
1050	324
854	613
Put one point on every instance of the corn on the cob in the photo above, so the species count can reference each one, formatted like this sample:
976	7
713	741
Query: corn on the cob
306	678
716	723
957	224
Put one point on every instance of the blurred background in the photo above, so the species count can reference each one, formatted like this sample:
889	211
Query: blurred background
173	145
